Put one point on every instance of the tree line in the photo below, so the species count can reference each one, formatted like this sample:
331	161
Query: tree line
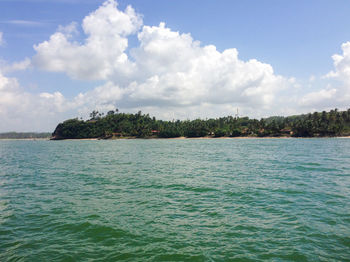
24	135
114	124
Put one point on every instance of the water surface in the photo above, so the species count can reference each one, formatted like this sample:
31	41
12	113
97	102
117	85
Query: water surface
175	200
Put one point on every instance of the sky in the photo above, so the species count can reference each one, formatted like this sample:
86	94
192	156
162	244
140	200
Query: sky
62	59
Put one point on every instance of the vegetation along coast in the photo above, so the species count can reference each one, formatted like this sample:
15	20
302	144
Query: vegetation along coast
116	125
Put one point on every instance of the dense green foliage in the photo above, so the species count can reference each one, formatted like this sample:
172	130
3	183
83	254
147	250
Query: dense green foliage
25	135
115	124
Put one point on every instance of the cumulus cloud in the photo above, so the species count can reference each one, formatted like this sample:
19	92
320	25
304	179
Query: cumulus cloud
177	70
103	98
319	98
167	74
102	53
167	68
336	94
23	111
342	65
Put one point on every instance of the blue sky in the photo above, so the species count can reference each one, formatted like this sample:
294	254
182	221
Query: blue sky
297	39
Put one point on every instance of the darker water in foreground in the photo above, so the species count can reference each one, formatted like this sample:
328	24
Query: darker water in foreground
175	200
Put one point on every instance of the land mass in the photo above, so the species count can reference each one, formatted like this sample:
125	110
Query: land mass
116	125
24	135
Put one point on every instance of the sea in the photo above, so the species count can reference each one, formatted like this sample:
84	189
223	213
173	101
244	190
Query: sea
175	200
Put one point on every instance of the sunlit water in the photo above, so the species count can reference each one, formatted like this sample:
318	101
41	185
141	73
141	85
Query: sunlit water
175	200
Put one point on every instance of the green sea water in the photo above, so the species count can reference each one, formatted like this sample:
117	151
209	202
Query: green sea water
175	200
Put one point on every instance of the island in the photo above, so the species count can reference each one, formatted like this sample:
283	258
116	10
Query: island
116	125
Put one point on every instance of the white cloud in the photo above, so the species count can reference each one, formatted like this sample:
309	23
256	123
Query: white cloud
167	69
169	75
1	39
319	98
103	98
103	52
342	65
23	111
179	71
337	94
24	22
70	30
15	66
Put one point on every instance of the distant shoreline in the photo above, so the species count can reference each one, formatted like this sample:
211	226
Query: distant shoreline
194	138
160	138
28	139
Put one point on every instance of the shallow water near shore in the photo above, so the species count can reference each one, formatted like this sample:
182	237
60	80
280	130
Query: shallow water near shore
175	200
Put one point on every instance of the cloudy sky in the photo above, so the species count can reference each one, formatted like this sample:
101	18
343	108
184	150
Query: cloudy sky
172	59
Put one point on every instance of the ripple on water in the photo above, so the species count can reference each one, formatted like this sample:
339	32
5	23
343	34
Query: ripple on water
175	200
